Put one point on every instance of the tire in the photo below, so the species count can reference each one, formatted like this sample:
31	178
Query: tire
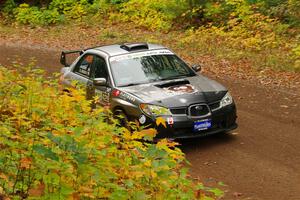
122	118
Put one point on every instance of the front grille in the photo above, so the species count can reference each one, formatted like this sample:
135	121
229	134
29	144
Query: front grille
199	110
214	106
178	111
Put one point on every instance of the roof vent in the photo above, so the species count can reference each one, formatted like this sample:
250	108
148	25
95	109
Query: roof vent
134	46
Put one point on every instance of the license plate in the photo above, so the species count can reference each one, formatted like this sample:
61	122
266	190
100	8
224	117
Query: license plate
202	125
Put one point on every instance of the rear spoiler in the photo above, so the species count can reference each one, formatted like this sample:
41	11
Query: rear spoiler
63	59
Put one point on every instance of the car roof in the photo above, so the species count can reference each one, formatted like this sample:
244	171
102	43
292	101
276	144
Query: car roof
119	49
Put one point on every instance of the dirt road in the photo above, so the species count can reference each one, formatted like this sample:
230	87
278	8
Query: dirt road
260	160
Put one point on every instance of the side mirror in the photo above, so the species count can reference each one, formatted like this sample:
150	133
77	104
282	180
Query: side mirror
196	67
99	82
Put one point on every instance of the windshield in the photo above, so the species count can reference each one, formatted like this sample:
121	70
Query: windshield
146	67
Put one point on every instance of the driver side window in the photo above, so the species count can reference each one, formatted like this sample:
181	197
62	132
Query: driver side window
84	66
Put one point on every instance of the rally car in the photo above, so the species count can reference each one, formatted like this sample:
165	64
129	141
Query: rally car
143	81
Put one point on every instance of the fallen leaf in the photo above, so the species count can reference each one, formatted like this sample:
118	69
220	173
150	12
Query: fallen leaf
283	106
237	194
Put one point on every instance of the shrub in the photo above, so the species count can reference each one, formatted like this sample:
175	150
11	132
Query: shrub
296	56
8	7
56	13
62	6
253	37
71	8
53	146
25	14
152	14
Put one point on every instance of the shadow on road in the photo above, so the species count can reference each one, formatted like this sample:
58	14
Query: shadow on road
204	143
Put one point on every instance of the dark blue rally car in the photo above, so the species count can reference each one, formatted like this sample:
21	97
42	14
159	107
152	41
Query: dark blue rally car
143	81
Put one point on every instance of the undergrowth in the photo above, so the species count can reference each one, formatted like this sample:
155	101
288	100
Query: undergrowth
54	146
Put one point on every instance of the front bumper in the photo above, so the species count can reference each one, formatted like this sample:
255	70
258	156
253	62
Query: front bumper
223	120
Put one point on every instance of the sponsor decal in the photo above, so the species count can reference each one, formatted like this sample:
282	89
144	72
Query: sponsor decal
127	97
170	120
181	89
103	97
140	54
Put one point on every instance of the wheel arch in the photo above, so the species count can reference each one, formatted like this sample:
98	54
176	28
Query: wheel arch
119	108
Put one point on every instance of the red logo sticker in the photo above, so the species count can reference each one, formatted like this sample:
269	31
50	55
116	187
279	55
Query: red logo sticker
170	120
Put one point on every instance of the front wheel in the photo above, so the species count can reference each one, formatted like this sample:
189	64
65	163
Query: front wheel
122	119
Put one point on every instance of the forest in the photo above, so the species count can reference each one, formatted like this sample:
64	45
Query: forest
264	33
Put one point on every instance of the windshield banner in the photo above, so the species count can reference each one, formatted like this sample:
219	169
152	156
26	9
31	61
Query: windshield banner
141	54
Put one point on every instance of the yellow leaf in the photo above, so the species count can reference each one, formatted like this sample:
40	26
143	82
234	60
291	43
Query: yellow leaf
116	140
149	132
153	174
137	174
147	163
127	135
162	121
85	189
36	117
162	143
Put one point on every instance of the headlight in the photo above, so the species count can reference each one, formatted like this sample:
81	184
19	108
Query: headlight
154	110
226	100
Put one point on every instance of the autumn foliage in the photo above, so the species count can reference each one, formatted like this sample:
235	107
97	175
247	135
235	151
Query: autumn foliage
54	146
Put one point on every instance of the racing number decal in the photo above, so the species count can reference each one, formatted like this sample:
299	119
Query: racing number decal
103	97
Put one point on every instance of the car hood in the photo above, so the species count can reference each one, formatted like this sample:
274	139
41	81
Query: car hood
179	92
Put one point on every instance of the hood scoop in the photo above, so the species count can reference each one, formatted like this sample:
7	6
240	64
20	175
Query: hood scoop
172	83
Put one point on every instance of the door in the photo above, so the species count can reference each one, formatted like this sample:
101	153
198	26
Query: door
82	73
99	70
